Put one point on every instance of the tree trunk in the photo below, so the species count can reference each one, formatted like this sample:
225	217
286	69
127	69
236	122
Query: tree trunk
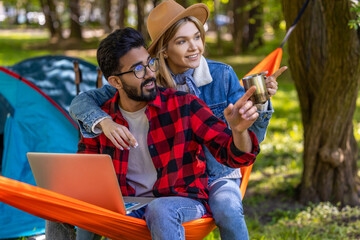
123	14
156	2
75	27
27	10
16	17
53	22
324	62
255	28
183	3
107	19
217	28
240	21
141	18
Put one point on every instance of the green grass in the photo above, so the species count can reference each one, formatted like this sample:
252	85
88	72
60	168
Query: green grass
271	210
18	46
15	48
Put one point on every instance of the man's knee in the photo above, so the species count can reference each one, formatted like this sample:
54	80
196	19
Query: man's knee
227	209
157	210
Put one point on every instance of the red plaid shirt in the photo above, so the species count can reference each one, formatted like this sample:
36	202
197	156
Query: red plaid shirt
178	124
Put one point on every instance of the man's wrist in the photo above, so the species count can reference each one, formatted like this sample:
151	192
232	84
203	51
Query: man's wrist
241	140
238	132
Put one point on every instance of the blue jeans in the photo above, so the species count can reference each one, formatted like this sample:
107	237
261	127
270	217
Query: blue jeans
163	217
226	206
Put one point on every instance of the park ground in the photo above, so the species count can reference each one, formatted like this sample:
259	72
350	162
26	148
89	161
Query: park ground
270	204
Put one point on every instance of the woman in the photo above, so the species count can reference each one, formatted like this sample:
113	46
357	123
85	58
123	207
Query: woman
179	45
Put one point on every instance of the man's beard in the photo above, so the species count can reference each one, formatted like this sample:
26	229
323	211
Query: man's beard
132	92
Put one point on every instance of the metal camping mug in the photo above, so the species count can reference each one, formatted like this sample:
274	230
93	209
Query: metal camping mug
261	94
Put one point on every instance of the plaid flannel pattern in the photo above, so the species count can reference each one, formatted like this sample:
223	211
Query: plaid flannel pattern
178	124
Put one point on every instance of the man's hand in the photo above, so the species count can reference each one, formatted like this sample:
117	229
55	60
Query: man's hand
271	83
119	135
240	117
243	113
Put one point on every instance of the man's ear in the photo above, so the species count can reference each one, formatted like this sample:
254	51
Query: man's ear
115	82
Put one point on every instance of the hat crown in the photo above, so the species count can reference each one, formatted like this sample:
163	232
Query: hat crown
164	13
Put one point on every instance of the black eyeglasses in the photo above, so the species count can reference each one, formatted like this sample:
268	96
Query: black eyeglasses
140	70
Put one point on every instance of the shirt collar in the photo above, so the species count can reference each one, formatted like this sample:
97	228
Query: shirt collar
157	101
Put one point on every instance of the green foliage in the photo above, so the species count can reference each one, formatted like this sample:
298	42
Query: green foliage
355	23
273	12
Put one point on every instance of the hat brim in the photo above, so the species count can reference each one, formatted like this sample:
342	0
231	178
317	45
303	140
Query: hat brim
199	10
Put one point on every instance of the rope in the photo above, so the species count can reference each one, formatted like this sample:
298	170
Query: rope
302	10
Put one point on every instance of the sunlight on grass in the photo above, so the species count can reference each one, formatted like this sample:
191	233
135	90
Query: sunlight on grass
234	60
322	221
25	34
282	177
88	55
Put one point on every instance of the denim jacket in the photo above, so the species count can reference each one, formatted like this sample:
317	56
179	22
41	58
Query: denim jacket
218	85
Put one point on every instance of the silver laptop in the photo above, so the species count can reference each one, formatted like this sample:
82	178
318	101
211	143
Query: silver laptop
87	177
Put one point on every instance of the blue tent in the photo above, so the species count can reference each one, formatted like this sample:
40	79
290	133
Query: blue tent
31	121
55	76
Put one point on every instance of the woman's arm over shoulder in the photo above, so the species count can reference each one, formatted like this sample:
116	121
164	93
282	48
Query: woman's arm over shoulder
85	108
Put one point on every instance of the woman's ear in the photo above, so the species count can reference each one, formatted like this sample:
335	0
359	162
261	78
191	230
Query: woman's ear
115	82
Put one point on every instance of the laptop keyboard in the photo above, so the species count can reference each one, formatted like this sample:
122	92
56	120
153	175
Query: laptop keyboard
129	205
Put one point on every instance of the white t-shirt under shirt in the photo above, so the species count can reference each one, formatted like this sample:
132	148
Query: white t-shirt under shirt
141	173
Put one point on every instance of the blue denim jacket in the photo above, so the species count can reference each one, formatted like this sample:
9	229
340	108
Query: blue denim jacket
224	88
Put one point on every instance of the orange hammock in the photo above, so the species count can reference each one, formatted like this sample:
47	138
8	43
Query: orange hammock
56	207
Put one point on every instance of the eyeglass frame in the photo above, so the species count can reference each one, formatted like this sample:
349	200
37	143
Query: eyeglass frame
145	66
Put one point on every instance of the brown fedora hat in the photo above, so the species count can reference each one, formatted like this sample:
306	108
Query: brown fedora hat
163	16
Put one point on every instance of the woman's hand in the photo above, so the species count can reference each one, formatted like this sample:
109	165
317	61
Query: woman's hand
119	135
271	83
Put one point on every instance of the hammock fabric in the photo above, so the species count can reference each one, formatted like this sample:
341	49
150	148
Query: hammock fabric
59	208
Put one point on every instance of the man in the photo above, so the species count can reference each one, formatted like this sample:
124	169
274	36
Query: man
168	127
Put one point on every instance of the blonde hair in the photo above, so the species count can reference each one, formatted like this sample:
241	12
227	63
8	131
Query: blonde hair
164	77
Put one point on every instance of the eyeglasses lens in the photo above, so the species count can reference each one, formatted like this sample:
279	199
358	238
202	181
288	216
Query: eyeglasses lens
154	64
140	70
